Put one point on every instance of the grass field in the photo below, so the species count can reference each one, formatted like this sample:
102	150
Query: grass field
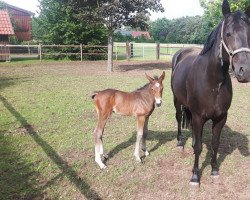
47	149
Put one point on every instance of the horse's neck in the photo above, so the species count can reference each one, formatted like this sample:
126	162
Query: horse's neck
214	66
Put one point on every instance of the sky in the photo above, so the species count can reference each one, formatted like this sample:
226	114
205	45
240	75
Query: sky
173	8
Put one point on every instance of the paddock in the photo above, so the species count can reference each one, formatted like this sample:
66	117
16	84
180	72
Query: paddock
47	121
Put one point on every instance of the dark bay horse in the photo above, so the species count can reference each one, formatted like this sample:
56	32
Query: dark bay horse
201	82
140	103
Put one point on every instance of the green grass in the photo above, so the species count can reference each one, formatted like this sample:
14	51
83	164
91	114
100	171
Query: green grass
47	149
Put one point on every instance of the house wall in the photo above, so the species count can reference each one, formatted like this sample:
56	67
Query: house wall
22	24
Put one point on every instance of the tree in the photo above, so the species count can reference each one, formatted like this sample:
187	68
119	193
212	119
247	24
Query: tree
182	30
213	9
115	14
57	24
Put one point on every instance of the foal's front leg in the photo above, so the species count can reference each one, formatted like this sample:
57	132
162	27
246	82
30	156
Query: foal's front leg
144	137
140	126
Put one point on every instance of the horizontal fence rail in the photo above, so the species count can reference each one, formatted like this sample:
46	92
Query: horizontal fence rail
121	51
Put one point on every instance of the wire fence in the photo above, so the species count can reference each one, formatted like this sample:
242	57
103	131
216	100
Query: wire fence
121	51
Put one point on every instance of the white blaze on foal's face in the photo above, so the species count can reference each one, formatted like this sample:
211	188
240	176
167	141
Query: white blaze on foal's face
158	93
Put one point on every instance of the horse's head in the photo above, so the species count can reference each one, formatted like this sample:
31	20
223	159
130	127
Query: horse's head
235	38
156	87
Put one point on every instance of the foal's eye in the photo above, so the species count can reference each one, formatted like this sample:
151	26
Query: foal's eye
228	34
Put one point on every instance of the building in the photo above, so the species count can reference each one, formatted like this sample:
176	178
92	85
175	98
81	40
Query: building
21	21
6	30
134	34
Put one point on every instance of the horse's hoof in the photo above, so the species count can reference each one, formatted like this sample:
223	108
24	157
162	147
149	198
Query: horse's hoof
180	144
215	174
195	180
194	183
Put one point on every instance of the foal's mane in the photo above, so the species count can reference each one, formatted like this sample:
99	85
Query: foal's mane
211	39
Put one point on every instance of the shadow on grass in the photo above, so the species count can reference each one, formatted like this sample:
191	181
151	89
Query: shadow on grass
144	66
161	137
230	141
67	171
16	176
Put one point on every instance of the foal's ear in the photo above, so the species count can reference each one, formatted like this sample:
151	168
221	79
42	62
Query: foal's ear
149	78
162	76
225	8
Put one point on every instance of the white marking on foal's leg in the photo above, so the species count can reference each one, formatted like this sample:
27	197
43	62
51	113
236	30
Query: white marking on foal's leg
137	146
98	157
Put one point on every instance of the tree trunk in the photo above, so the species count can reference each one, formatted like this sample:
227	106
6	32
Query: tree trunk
110	52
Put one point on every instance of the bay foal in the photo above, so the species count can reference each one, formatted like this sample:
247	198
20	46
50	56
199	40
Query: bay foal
139	103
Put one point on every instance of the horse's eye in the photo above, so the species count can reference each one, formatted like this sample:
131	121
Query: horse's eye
228	34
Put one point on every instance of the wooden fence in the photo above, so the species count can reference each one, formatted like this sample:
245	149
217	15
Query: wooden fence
122	51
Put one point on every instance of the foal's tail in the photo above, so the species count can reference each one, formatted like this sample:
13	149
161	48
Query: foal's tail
93	94
186	118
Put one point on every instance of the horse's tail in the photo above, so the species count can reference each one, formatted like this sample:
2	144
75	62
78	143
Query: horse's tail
93	94
186	118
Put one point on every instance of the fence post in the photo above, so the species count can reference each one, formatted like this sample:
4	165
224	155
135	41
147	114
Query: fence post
116	52
81	51
128	51
143	51
157	51
40	52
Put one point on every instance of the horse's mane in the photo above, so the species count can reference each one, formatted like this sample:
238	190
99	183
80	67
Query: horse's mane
146	85
211	39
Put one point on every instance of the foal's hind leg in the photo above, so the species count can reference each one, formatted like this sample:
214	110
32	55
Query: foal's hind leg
140	125
144	137
102	119
178	116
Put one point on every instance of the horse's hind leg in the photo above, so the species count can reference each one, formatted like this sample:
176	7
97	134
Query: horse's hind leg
102	119
140	126
178	116
144	137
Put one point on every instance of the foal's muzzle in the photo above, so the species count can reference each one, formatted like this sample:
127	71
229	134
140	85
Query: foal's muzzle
158	102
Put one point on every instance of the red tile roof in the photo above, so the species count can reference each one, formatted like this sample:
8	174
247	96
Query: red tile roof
136	34
5	23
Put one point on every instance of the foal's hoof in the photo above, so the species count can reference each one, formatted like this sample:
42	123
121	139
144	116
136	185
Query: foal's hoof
146	153
103	167
105	156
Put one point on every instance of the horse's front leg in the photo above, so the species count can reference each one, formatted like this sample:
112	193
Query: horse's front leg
217	127
140	125
198	124
144	137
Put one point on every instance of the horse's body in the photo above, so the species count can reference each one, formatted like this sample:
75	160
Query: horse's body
202	86
140	103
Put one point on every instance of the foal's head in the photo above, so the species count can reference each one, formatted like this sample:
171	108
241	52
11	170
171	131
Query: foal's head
157	87
236	36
